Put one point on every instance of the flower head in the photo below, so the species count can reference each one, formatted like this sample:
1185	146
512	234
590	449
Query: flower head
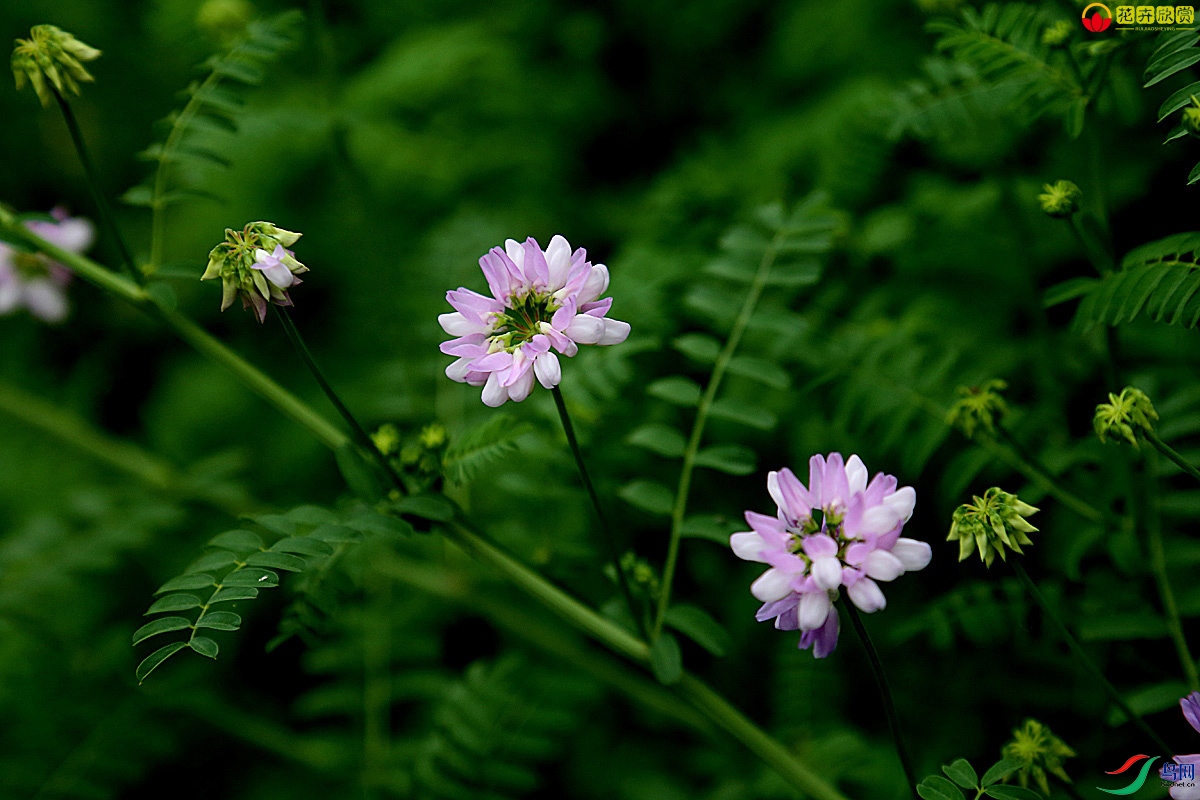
543	302
1185	790
839	531
993	524
1040	752
256	265
1060	199
1125	415
51	55
978	408
32	280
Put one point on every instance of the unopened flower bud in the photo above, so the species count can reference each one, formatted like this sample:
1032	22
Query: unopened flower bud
978	408
1125	415
387	439
51	60
255	265
224	20
1060	199
993	524
1039	752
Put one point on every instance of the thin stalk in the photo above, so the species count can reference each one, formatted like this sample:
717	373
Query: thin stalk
1086	660
377	671
614	552
93	181
682	490
1171	453
1010	451
364	439
885	694
1146	509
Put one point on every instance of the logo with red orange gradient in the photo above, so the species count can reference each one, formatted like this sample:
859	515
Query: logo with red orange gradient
1097	17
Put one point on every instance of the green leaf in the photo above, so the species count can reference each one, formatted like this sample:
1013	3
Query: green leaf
215	560
482	446
304	545
238	541
1194	175
253	577
220	621
155	659
140	196
174	602
1163	68
651	497
675	389
1000	770
164	625
1002	792
360	476
281	524
658	438
337	534
666	661
284	561
935	787
371	521
696	624
1150	700
1068	290
732	459
311	515
1124	626
1178	100
962	773
433	507
204	646
698	347
191	581
706	526
738	411
228	594
761	370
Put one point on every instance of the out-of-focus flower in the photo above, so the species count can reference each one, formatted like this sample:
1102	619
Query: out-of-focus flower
35	282
542	302
1124	415
1181	790
978	408
51	55
1040	752
837	532
256	265
1191	710
1060	199
993	524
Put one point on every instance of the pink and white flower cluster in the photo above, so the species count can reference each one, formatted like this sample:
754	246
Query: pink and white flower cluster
34	282
542	302
838	532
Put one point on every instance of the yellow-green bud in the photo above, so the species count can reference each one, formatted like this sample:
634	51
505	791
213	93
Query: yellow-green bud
224	20
51	60
978	408
1060	199
1191	117
1057	33
433	436
387	439
1040	753
993	524
255	265
1125	415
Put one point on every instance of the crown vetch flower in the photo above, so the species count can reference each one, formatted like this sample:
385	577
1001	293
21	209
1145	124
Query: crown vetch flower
1125	415
256	265
1041	753
1182	791
839	531
544	302
51	55
1060	199
33	281
993	524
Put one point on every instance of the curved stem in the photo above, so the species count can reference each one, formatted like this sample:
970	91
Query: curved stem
885	693
610	541
679	508
1171	453
93	181
1012	452
1084	658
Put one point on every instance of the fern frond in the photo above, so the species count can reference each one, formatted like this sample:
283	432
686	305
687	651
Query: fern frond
1159	278
1176	52
481	447
952	99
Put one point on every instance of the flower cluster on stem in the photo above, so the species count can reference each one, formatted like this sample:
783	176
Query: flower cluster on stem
34	282
1125	415
51	57
992	524
256	265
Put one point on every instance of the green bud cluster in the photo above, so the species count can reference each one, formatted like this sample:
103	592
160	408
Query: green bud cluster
978	408
993	525
233	262
1041	753
1060	199
1124	415
51	57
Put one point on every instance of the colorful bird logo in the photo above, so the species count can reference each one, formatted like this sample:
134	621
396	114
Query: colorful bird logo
1100	19
1141	777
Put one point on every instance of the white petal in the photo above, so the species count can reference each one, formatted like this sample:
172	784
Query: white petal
456	324
45	301
515	251
558	260
494	395
279	275
459	369
584	329
867	595
10	295
522	387
883	566
594	285
827	572
548	370
878	520
615	332
772	585
903	500
913	555
856	474
814	608
747	546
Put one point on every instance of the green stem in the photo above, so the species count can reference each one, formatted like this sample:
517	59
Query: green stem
1146	509
1171	453
683	489
1011	452
107	219
360	433
1084	658
885	693
610	541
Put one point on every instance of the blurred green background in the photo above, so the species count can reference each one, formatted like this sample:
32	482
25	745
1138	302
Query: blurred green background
404	139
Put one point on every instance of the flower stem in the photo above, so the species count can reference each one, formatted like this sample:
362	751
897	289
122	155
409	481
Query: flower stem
606	530
364	439
1010	450
885	694
1084	658
107	219
1171	453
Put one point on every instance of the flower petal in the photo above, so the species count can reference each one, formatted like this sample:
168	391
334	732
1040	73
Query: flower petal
771	585
856	474
814	608
585	330
915	555
615	332
867	595
748	546
558	262
827	573
494	395
883	566
548	370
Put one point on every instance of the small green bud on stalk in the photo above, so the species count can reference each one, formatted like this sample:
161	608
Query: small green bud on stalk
993	525
51	57
1041	754
978	409
1125	415
1060	199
